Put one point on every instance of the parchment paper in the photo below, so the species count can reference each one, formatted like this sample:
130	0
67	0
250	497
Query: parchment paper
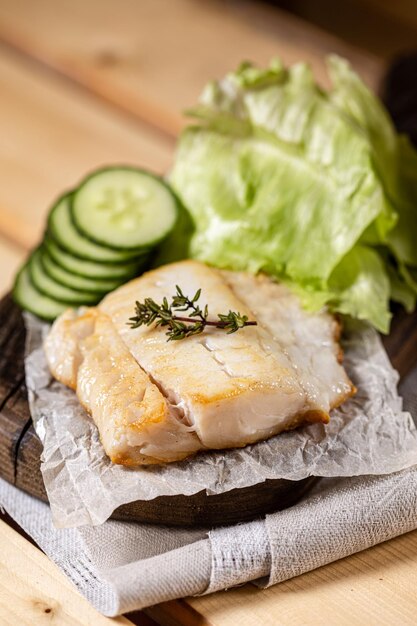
369	434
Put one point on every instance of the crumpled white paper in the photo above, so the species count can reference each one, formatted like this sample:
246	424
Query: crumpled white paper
369	434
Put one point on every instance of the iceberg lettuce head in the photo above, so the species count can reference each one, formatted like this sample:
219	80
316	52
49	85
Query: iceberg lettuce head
310	186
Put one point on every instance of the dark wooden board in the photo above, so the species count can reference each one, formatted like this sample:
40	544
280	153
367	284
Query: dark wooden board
20	451
20	448
13	422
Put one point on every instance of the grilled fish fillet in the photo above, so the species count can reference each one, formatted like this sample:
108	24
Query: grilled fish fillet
156	401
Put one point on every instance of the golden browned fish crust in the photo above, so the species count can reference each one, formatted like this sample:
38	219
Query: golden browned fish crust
156	401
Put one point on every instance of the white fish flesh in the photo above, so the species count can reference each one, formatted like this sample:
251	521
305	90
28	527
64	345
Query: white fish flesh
156	401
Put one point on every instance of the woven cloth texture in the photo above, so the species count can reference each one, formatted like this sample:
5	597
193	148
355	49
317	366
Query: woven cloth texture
121	567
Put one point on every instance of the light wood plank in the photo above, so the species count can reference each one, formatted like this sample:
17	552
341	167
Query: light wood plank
376	587
11	257
51	135
153	58
33	590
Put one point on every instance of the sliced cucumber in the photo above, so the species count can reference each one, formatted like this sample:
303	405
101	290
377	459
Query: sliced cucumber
90	269
67	236
51	288
80	283
124	208
29	298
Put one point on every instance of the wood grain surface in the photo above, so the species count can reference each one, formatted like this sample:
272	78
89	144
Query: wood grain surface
33	591
86	82
11	381
153	58
11	256
373	588
52	139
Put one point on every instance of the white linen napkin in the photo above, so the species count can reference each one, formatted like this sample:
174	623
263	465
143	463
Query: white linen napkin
121	567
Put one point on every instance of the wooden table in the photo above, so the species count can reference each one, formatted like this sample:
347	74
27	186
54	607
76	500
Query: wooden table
84	83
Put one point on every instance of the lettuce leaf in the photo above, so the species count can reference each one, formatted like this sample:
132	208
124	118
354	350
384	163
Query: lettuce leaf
282	177
403	238
400	290
359	286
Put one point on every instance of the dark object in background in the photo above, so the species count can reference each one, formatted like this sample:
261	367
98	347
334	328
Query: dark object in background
400	95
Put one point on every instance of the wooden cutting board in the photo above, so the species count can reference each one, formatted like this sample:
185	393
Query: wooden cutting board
20	451
20	448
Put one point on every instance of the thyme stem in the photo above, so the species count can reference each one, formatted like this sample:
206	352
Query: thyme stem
180	327
210	322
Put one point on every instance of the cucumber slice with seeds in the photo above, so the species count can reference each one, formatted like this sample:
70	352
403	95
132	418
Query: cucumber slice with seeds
51	288
63	231
124	208
90	269
29	298
63	277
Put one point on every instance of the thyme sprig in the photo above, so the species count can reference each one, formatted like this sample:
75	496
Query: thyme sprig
149	312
